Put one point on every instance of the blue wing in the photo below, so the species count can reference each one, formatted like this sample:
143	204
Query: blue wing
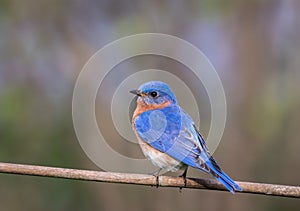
172	131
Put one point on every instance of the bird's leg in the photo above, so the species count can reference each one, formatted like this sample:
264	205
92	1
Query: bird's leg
156	174
184	177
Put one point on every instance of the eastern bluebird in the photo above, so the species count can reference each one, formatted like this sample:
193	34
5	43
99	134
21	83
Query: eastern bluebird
168	136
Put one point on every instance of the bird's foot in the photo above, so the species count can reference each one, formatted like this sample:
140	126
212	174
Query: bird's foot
184	179
156	174
157	181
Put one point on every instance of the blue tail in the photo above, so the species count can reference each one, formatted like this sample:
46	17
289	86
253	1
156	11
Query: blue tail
223	178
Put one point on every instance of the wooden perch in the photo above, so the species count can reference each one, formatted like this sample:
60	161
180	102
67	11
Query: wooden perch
140	179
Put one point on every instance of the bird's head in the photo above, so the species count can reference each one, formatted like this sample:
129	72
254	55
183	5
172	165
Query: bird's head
155	93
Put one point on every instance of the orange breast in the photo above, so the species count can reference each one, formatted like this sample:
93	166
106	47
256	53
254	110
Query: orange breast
142	107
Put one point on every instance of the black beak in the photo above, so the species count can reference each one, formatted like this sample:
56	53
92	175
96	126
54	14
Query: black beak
136	92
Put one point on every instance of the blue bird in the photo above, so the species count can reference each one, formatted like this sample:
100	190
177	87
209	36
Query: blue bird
168	136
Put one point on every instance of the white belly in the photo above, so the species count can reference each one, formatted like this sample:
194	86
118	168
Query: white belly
162	160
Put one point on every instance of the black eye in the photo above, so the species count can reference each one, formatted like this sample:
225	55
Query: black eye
153	94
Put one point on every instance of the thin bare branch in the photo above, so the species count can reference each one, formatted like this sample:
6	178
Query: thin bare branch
140	179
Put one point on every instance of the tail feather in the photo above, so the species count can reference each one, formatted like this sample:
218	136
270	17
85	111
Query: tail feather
227	185
224	178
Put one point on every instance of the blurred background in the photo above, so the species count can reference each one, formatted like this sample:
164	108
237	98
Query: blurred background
253	44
